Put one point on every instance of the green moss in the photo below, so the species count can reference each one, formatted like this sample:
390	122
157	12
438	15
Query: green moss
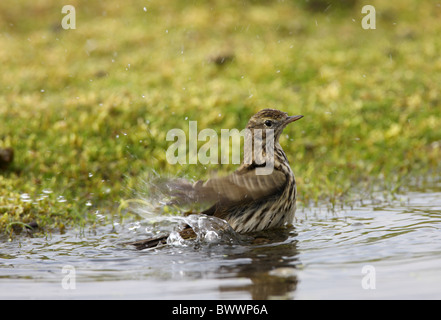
86	109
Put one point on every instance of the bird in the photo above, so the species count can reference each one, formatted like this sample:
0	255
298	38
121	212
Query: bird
247	200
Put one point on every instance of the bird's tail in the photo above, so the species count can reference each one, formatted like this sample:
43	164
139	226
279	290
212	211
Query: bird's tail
186	234
149	243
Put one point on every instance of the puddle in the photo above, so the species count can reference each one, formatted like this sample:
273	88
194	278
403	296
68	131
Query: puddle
388	250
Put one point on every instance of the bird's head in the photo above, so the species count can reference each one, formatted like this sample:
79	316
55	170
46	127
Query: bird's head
271	119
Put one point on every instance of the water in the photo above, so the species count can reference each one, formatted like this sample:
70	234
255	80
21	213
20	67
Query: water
371	250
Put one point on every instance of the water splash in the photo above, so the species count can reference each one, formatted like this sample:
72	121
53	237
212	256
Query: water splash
208	230
160	215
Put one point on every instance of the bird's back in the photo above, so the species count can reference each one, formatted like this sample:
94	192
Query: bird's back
272	210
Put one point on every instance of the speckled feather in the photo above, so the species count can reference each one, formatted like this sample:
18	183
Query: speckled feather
247	201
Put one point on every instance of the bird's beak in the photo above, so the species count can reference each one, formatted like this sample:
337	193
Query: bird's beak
292	119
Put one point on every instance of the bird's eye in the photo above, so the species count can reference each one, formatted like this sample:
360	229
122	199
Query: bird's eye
268	123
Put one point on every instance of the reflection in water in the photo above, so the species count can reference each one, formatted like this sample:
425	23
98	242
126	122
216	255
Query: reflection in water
272	272
322	257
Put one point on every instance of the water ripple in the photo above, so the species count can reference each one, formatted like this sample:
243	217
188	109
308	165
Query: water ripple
322	256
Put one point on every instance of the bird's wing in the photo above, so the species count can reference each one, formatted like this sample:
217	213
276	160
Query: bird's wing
241	186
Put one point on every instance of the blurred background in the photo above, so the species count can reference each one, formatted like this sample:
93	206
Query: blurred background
85	111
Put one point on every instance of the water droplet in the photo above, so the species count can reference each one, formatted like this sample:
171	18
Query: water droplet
135	226
175	239
25	197
212	237
99	215
145	9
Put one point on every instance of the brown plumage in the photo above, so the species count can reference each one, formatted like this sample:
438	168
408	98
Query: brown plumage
247	199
